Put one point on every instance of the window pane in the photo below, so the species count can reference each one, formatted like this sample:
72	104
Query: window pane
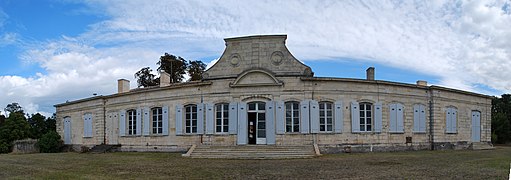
194	123
251	106
369	114
218	128
362	128
362	107
369	128
322	128
261	116
261	105
368	120
329	128
296	128
368	106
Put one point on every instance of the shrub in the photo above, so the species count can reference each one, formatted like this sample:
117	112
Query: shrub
50	142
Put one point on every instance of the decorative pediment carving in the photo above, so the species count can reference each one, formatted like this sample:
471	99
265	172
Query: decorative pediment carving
256	77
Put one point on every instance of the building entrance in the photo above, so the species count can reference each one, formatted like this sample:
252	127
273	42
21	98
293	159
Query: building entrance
256	116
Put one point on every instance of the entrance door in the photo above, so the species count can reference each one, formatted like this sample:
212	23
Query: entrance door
112	125
256	123
476	126
67	130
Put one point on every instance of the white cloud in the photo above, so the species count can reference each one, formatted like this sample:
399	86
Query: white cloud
463	43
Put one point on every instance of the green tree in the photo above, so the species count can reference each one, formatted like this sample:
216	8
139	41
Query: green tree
15	127
195	70
501	119
50	142
13	107
145	78
2	120
173	65
37	126
51	123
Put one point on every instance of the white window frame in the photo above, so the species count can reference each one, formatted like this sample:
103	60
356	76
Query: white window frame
157	120
189	120
323	120
293	116
222	121
364	125
131	121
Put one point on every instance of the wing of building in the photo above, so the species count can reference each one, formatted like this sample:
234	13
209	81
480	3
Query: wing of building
259	93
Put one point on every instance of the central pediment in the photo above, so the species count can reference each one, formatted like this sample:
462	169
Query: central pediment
257	52
256	77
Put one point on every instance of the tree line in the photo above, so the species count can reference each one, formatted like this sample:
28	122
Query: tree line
18	126
175	66
501	119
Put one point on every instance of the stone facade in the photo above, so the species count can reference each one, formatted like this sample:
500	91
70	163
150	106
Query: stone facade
261	69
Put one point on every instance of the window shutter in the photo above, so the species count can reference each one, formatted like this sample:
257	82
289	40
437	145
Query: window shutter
200	118
146	121
165	123
233	117
210	120
270	122
448	120
454	120
122	123
377	117
242	123
314	121
85	125
179	119
355	117
304	117
67	130
338	117
280	119
422	124
400	118
139	121
393	117
476	126
416	118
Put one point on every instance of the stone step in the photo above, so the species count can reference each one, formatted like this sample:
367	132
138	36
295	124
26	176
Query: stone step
482	146
252	152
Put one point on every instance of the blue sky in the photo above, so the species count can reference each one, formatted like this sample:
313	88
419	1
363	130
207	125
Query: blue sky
57	50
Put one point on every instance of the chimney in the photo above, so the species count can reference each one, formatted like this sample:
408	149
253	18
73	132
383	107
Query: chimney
370	73
422	83
123	85
164	79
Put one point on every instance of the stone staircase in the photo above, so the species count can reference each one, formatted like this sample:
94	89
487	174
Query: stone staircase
251	152
103	148
482	146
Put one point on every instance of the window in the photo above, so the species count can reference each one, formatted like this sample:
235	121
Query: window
451	119
191	118
366	117
222	118
292	117
132	122
157	120
325	117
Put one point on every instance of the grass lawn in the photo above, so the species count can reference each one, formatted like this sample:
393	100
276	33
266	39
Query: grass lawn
486	164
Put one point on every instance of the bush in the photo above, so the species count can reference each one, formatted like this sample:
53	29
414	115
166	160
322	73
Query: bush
50	142
5	147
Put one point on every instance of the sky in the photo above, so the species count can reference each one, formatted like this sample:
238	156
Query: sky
52	51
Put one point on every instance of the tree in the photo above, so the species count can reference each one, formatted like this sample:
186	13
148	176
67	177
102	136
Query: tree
51	123
174	66
50	142
13	107
15	127
501	119
195	70
37	126
2	120
145	78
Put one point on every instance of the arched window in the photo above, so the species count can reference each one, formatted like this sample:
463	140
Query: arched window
366	117
222	117
191	118
292	116
157	120
132	121
325	116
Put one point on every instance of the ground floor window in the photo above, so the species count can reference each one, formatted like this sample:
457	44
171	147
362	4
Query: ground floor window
292	116
325	117
222	118
132	122
191	118
157	120
366	116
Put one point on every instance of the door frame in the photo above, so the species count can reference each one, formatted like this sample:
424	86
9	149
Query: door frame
258	110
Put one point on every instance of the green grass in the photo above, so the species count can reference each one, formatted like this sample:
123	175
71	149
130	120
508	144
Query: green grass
487	164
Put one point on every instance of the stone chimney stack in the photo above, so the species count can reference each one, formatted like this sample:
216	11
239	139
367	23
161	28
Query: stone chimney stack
164	79
422	83
370	73
123	86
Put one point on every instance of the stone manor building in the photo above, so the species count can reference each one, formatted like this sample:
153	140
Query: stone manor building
258	93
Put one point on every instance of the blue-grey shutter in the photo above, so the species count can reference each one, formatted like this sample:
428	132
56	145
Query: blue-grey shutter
89	125
304	117
422	125
200	118
448	120
314	121
210	119
67	130
377	117
139	121
338	117
355	117
270	122
454	120
242	123
85	125
146	121
416	118
476	126
179	119
393	117
280	117
233	117
122	123
165	122
400	118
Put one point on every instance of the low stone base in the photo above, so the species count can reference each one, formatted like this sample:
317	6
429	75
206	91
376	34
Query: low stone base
348	148
153	148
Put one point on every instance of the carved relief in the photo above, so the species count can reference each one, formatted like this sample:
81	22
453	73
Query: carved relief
235	59
277	57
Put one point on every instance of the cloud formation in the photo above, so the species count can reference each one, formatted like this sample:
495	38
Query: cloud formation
463	43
